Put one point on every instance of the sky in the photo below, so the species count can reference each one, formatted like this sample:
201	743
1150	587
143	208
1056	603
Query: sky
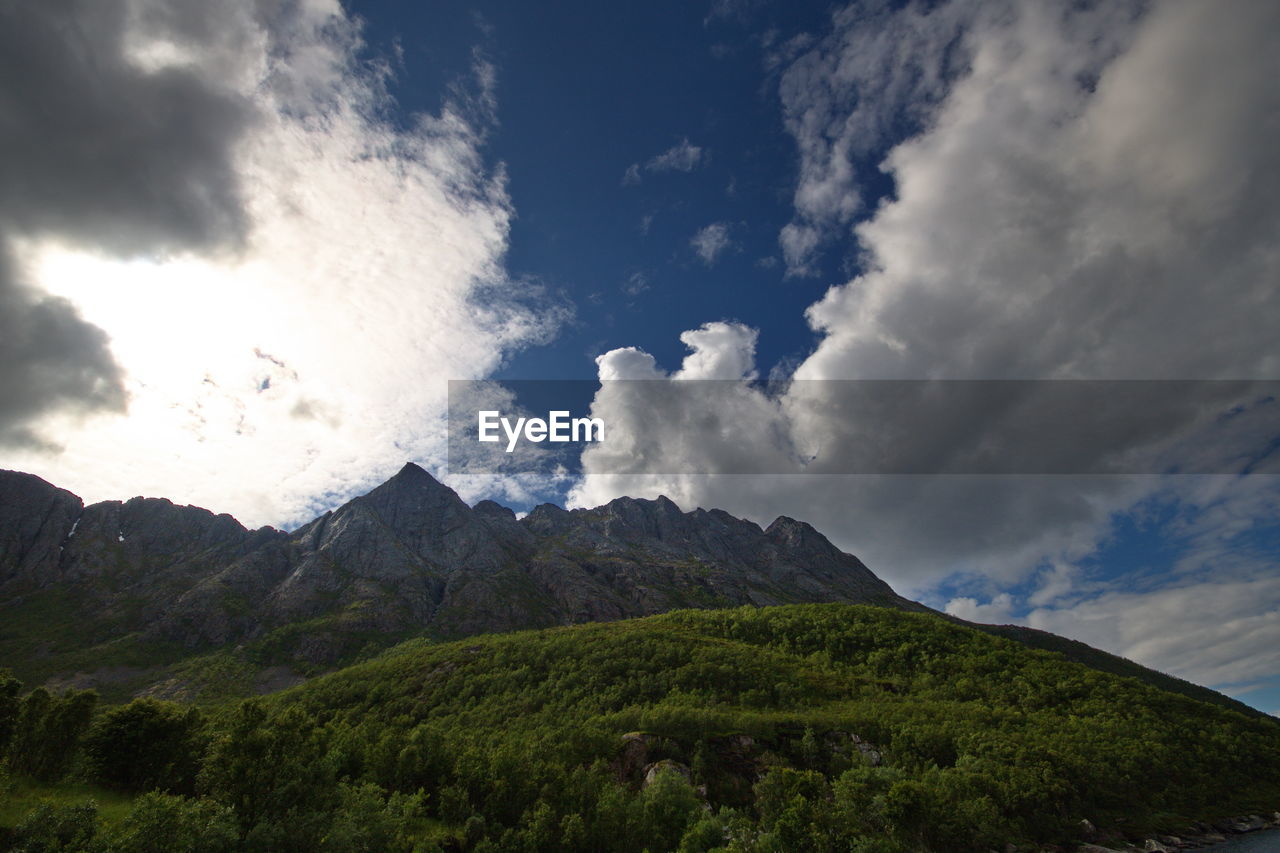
245	245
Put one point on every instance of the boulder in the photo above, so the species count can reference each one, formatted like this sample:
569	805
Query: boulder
1252	823
651	772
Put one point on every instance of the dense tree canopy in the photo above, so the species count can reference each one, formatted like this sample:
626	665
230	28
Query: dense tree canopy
820	727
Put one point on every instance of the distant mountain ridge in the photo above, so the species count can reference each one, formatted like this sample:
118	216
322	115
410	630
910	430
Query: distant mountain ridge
123	588
406	558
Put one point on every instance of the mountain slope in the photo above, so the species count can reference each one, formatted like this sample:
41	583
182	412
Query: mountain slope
127	588
818	724
817	727
143	595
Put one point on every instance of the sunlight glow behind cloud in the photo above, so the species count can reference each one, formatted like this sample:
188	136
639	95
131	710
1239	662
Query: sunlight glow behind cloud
308	362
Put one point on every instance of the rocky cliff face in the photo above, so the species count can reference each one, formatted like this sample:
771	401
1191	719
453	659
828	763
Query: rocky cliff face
35	520
128	596
48	537
409	557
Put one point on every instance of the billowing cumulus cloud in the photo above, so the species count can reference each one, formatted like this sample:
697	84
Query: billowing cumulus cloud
876	77
1080	193
277	280
1069	214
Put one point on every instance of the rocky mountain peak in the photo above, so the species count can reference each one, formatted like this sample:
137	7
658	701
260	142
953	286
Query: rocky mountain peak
411	556
799	535
35	519
665	504
413	472
627	516
494	509
412	503
410	483
548	520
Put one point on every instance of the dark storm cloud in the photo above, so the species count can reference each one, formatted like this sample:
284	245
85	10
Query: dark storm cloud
50	358
101	154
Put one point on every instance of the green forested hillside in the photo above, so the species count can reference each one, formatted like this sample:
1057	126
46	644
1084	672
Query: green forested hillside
809	727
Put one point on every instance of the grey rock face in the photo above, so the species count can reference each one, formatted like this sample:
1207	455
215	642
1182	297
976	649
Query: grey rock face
149	540
47	536
409	556
35	519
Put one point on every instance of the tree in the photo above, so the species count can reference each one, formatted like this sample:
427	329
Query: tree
146	745
665	810
10	687
163	823
57	829
46	734
274	774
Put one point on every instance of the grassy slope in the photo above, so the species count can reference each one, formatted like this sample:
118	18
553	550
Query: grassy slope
1049	741
984	740
1116	665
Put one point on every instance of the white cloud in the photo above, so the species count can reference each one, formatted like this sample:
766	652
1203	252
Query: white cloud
1220	632
1224	631
1020	245
719	351
635	284
1047	227
995	612
1056	583
798	243
875	77
681	157
1214	619
272	381
1087	193
655	427
711	242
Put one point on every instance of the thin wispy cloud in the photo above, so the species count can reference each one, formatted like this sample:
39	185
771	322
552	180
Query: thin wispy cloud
635	284
682	157
711	242
679	158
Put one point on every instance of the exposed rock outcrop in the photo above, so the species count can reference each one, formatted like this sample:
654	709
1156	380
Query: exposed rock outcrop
409	556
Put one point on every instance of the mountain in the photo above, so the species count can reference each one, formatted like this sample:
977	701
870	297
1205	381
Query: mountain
122	586
844	717
144	595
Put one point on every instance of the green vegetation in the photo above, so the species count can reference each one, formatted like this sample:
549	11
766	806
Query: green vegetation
810	727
